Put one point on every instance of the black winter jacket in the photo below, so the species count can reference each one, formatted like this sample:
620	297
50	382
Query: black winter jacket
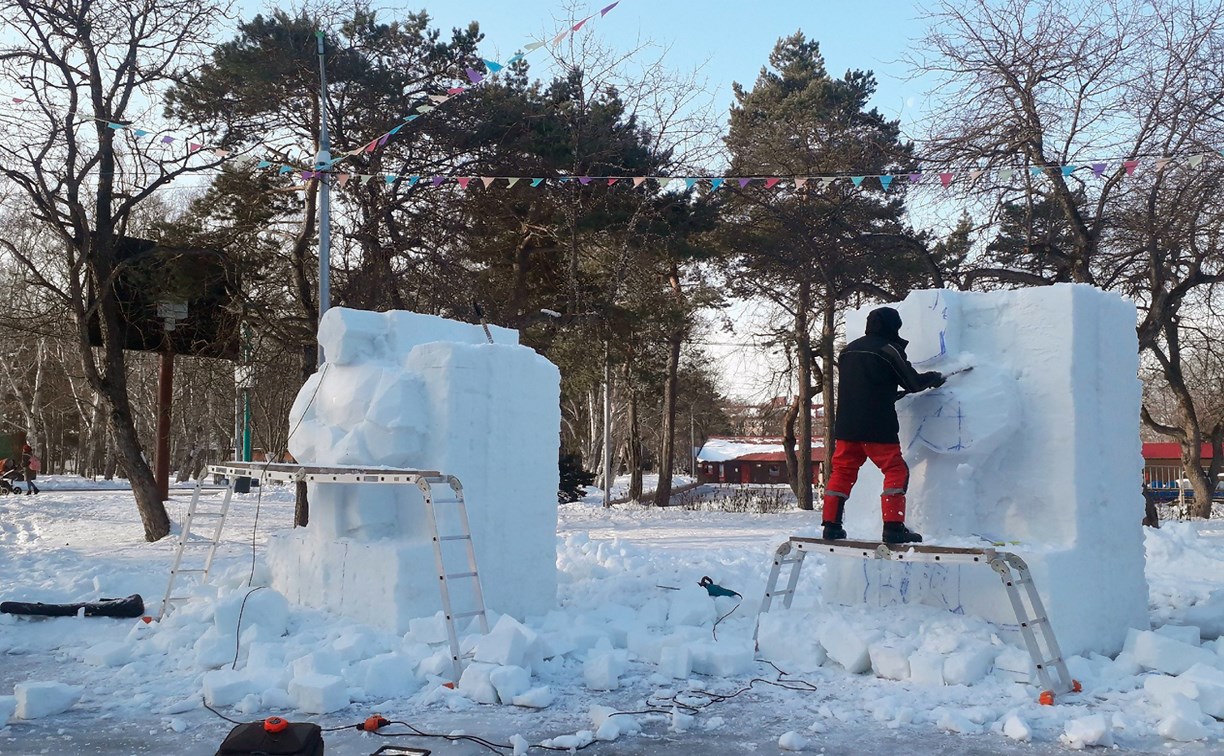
871	369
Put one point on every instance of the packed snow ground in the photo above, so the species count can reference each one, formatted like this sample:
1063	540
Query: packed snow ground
632	632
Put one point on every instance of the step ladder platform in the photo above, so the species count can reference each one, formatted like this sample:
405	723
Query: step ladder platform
901	552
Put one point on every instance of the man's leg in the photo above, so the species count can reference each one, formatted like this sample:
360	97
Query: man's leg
888	458
848	457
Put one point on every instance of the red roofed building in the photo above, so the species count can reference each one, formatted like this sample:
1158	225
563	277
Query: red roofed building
749	459
1162	462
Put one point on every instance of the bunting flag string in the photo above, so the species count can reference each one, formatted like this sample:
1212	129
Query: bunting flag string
946	176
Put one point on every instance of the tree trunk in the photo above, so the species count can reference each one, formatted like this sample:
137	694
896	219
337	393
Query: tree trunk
828	359
633	446
803	350
671	382
788	445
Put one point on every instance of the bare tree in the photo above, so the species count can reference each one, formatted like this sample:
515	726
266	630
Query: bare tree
89	66
1089	122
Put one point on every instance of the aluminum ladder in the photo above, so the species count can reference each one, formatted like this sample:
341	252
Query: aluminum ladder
430	487
215	518
1014	573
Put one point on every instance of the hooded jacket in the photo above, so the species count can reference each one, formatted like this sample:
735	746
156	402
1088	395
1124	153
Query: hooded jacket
871	370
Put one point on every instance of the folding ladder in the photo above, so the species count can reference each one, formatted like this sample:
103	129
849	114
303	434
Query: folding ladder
1031	616
464	536
443	495
214	517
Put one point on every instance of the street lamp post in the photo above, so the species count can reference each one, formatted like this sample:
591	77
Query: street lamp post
322	168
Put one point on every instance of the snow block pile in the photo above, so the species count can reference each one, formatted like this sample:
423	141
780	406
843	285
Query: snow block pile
1037	448
410	391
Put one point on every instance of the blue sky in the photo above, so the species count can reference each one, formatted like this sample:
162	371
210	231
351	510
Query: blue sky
732	39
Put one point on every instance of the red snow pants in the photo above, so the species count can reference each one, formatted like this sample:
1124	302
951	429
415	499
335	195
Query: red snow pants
848	457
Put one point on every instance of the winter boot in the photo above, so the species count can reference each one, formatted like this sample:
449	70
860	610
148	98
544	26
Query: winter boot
834	509
896	532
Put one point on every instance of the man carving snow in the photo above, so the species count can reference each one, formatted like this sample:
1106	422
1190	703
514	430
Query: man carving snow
871	370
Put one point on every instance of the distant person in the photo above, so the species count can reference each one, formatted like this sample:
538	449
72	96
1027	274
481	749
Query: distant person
871	370
29	465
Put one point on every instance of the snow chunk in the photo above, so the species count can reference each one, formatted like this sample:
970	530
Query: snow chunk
1184	633
889	662
318	694
429	630
1159	652
969	666
676	662
476	683
8	707
580	739
537	698
510	682
1208	615
926	668
506	643
691	605
845	645
387	676
318	663
108	654
1017	729
778	642
264	608
792	741
610	726
601	671
43	699
225	687
1087	731
724	658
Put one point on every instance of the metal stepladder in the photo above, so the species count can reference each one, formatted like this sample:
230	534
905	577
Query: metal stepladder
1014	573
430	483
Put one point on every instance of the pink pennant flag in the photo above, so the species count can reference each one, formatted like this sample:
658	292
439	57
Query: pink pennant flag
612	180
372	146
770	183
342	179
557	39
800	183
18	100
456	90
945	179
604	12
463	181
1161	163
974	174
638	181
221	153
578	25
744	182
1098	169
1130	166
192	146
487	180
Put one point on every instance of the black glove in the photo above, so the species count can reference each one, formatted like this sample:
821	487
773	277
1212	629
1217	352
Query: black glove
934	379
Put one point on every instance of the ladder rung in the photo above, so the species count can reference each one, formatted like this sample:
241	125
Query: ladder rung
778	593
180	598
1034	621
182	571
455	538
199	543
459	575
463	615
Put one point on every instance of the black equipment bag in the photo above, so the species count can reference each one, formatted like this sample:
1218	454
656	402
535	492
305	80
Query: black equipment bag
297	739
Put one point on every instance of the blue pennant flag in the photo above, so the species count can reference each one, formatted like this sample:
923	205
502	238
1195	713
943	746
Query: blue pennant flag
140	132
493	66
1067	170
689	182
285	169
396	130
515	59
412	180
886	181
264	164
715	183
857	180
536	181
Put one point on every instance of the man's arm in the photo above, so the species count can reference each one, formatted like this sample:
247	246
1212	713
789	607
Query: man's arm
911	380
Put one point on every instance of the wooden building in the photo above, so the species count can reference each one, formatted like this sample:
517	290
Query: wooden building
749	459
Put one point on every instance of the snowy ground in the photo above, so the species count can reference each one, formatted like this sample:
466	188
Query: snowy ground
628	599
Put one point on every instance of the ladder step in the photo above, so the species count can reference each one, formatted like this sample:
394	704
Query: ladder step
459	575
190	544
182	571
1035	621
455	538
463	615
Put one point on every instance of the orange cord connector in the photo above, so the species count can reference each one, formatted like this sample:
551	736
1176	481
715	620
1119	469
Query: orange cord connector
275	724
372	723
1046	698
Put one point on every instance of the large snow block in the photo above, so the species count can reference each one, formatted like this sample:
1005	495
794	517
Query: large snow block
43	699
1038	445
1164	654
318	694
405	390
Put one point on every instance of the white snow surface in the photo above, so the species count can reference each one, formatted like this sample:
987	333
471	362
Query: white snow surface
617	570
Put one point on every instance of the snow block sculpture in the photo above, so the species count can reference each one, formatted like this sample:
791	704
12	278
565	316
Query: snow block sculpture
1037	448
410	391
